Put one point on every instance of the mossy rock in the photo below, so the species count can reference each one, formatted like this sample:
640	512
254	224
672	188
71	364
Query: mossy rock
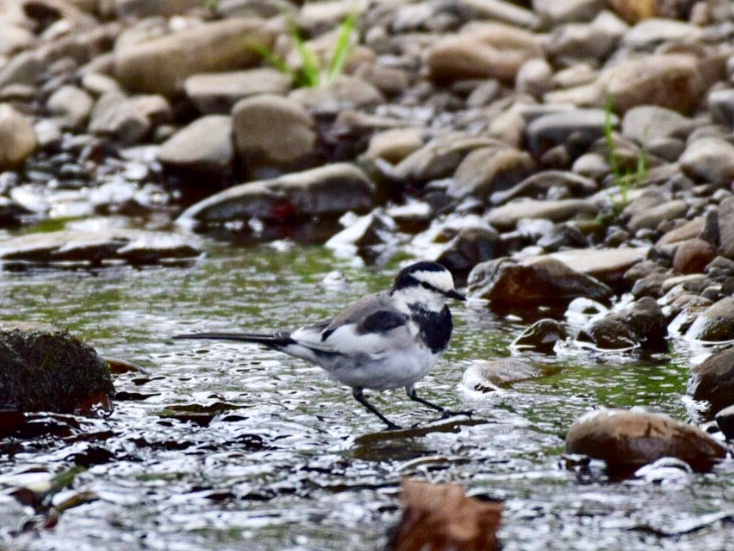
47	369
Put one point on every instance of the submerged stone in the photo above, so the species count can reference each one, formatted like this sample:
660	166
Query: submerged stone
48	369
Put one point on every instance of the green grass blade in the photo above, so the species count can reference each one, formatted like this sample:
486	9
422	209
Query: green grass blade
343	47
271	57
310	67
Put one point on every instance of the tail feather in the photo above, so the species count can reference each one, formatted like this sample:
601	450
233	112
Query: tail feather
274	340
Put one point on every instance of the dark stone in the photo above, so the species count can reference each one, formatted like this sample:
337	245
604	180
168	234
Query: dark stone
47	369
725	420
470	247
542	336
539	281
643	324
715	324
712	381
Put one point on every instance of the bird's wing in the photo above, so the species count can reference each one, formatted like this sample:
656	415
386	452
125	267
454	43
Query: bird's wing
368	327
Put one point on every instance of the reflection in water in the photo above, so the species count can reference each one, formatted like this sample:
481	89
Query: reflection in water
226	446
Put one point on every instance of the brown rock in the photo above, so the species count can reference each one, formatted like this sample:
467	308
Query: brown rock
17	137
693	255
441	517
712	381
715	324
273	129
537	281
483	50
672	81
628	439
642	324
161	66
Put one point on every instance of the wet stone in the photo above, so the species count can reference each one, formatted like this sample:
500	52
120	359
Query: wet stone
725	420
47	369
470	247
204	148
541	336
712	382
68	246
628	439
328	191
538	281
640	325
715	324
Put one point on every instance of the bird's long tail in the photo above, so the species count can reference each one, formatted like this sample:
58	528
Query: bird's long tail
272	340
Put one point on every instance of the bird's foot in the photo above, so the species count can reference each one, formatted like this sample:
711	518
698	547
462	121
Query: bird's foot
448	413
393	426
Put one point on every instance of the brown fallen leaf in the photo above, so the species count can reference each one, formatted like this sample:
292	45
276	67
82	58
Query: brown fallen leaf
440	517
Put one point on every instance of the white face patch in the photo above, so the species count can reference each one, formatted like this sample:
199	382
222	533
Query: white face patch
440	280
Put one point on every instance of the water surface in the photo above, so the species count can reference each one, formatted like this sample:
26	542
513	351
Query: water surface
228	446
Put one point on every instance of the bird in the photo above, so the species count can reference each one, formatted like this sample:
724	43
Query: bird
385	340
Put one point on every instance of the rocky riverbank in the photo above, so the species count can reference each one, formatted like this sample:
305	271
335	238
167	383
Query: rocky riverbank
549	153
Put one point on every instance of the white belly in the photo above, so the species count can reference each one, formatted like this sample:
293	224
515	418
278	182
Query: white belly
399	369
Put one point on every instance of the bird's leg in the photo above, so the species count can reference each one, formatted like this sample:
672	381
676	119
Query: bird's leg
413	395
357	393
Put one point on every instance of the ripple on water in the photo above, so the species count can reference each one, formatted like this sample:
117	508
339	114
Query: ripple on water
225	446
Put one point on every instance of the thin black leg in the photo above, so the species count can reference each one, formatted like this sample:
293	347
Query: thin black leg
357	393
413	395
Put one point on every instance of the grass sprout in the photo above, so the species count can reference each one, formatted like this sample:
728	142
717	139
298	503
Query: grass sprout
311	73
625	180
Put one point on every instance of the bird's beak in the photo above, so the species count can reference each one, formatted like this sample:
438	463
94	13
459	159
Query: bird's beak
455	294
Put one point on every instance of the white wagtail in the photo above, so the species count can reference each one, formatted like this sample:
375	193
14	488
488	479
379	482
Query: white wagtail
385	340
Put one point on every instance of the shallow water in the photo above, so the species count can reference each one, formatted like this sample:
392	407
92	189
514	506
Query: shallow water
227	446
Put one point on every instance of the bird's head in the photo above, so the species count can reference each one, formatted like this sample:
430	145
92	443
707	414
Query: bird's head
428	283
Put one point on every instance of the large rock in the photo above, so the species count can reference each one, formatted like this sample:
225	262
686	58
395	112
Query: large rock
70	107
606	265
162	65
204	148
554	129
709	160
641	325
536	281
715	324
490	169
47	369
273	130
483	50
128	120
670	81
327	191
507	216
629	439
712	381
17	137
219	92
133	246
725	228
440	157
